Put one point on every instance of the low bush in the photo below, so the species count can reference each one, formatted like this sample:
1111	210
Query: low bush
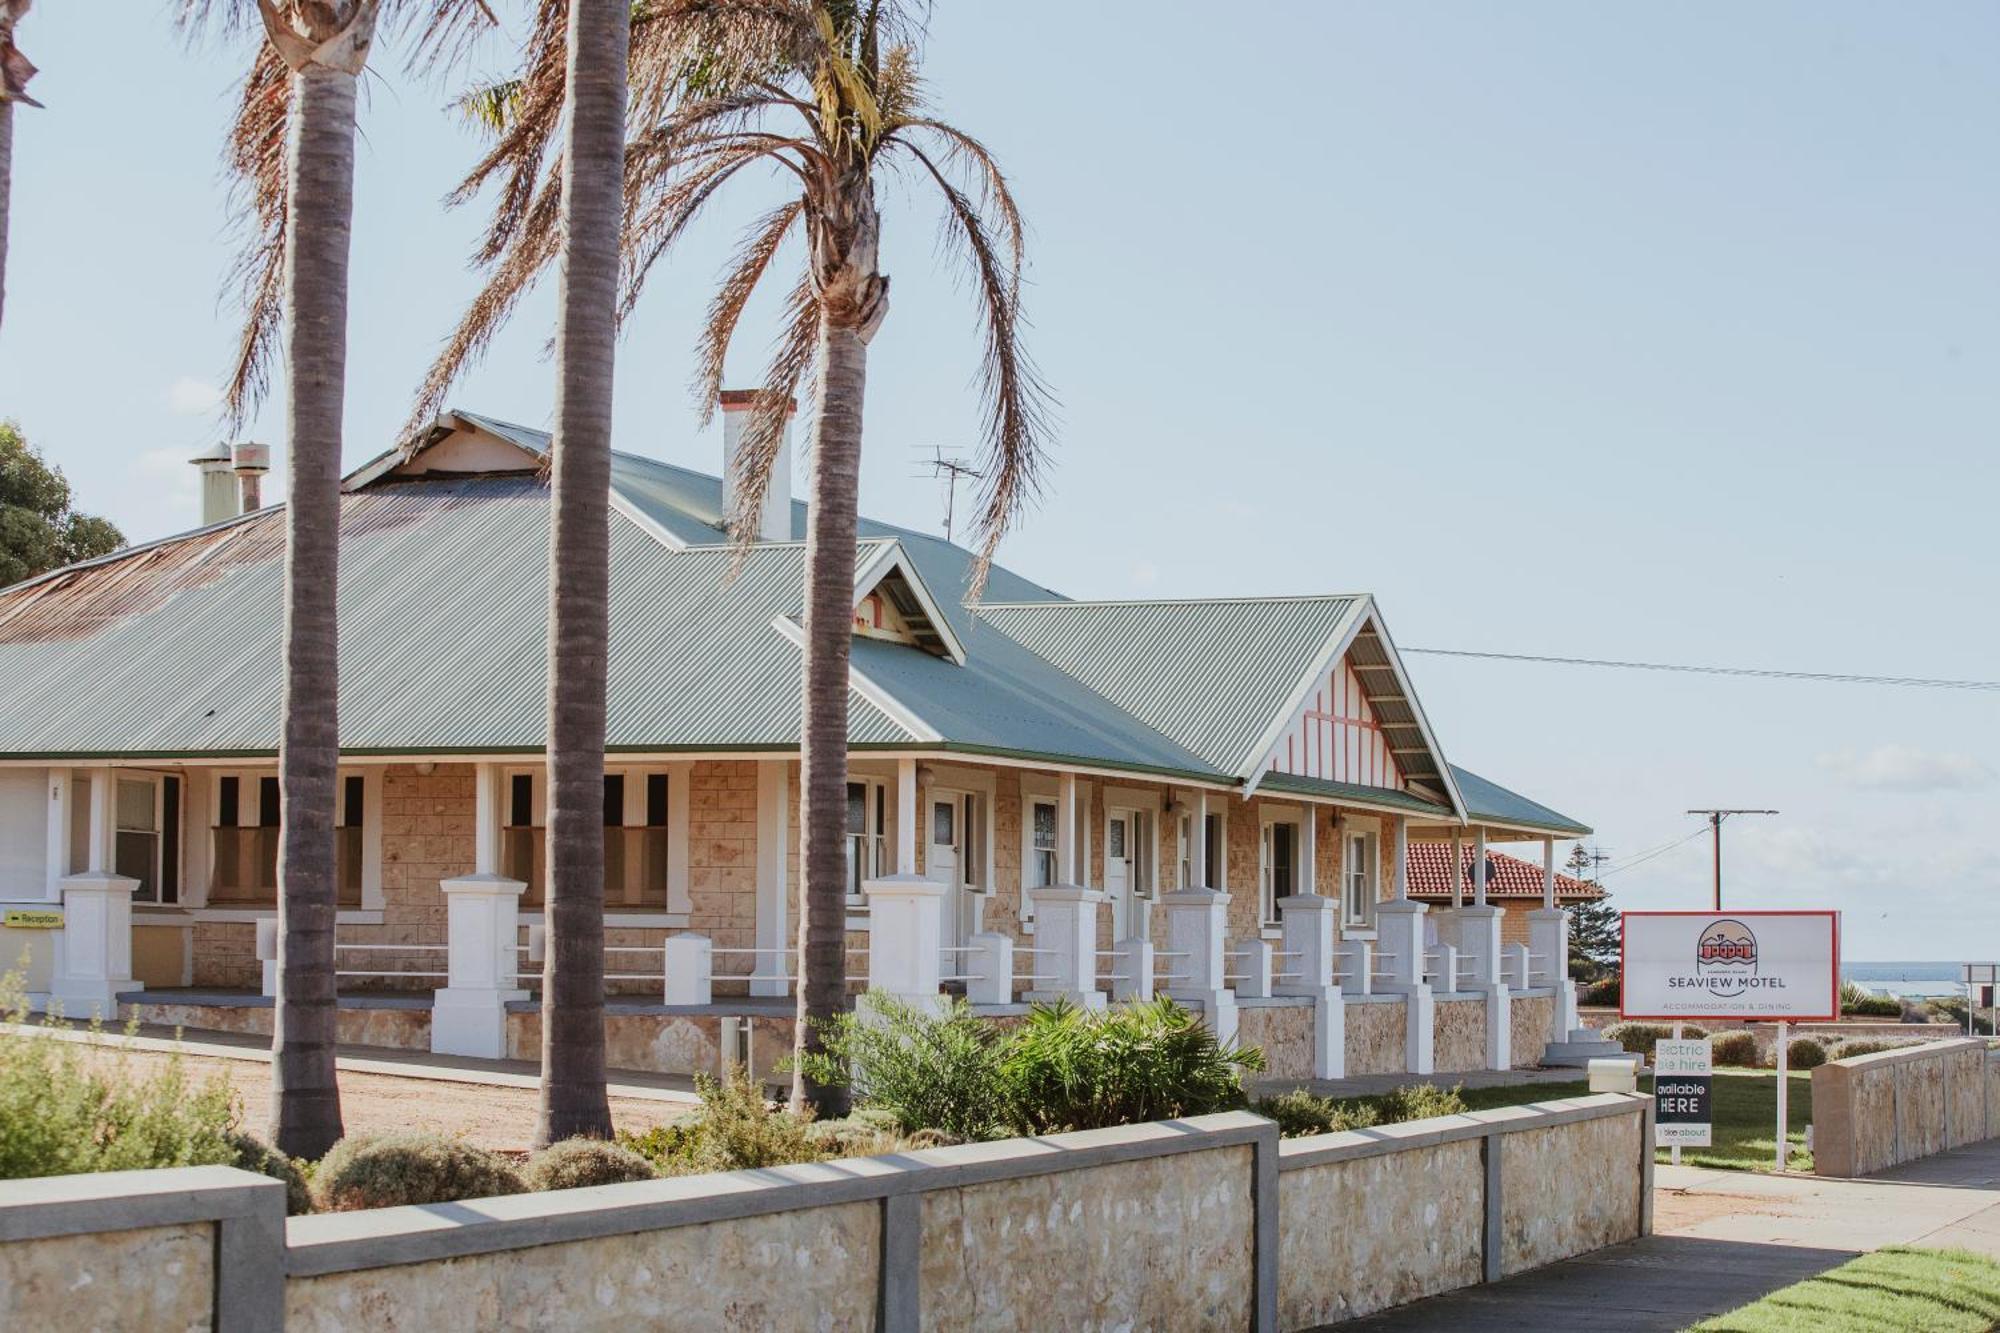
67	1108
1804	1053
1641	1038
935	1072
1418	1101
253	1154
1300	1113
1737	1049
1068	1068
1853	1046
736	1129
581	1163
1601	994
1867	1004
408	1167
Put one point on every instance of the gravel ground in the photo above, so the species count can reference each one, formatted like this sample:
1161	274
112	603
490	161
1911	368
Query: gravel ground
494	1117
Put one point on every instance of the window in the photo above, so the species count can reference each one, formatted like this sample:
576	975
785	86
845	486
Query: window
866	807
146	815
1216	856
636	816
1278	869
248	829
1359	868
1042	861
972	844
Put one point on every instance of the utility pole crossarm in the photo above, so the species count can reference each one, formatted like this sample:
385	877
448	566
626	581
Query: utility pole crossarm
1715	818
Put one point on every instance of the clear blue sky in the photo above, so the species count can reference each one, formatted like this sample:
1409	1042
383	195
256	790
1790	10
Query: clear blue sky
1664	332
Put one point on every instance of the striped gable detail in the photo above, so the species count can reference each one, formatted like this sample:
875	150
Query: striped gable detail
1338	737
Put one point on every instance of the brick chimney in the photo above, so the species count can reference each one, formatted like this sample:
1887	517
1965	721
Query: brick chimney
774	523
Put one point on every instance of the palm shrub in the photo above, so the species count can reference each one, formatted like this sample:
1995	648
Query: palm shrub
1066	1068
409	1167
937	1072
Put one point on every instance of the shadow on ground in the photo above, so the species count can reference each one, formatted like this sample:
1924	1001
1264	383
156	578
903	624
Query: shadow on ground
1655	1283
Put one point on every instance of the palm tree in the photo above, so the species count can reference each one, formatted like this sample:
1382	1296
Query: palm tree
827	92
15	71
301	92
573	1098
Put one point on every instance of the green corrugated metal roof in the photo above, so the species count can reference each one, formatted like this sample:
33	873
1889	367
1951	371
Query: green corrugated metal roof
1275	781
173	648
1490	802
1209	675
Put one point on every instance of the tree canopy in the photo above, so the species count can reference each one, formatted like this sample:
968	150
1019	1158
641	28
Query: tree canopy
40	529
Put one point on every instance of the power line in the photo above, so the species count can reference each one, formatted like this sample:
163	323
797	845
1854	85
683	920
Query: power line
1644	857
1833	677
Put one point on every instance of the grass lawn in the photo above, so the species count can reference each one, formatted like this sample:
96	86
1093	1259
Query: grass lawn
1925	1291
1745	1107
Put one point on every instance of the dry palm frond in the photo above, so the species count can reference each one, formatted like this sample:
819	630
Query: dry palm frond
15	68
820	90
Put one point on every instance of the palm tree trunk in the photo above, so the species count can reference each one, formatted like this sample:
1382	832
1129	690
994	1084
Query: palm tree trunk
830	530
305	1099
573	1098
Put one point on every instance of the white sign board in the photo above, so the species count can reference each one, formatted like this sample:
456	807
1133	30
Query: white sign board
1683	1073
1767	966
1981	974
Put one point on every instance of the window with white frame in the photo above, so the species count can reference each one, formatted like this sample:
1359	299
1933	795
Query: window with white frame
867	810
145	834
637	838
1278	868
1041	862
1360	868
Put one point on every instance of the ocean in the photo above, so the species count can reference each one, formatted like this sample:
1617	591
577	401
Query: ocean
1914	980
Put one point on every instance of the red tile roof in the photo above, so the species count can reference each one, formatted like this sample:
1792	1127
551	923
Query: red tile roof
1506	876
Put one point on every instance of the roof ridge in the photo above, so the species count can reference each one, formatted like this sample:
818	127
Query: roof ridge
1085	602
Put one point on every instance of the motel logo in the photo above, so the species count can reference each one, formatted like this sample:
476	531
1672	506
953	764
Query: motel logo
1725	962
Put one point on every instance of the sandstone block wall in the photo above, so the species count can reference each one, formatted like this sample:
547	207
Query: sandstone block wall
1873	1111
1531	1017
1377	1041
1458	1035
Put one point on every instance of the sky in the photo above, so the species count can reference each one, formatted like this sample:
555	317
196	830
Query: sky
1667	333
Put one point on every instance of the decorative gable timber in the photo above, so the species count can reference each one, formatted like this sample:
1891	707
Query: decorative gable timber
1357	721
892	602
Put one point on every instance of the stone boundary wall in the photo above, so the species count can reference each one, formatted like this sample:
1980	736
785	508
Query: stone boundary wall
1208	1222
1872	1112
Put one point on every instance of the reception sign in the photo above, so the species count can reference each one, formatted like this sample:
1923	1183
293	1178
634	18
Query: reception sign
1767	966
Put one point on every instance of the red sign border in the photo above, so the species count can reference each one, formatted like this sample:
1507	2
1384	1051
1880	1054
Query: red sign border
1833	916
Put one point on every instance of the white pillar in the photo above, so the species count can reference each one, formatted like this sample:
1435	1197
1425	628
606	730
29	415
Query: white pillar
1401	882
1197	925
57	835
1400	926
1479	941
1308	877
1307	924
1479	867
1066	941
1067	859
906	935
906	817
1253	967
93	954
482	933
989	968
267	954
1548	949
1355	960
773	959
1548	873
1198	842
690	969
1133	970
1518	970
487	804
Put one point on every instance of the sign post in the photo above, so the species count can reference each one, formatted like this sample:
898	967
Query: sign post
1982	982
1683	1080
1768	967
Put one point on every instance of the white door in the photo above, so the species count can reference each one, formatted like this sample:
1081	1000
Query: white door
1120	847
945	829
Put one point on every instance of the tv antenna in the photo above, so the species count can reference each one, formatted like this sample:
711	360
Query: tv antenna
949	469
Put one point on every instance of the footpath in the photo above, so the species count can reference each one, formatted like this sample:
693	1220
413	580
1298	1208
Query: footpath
1725	1238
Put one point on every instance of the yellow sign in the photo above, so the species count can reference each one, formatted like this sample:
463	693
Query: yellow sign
31	920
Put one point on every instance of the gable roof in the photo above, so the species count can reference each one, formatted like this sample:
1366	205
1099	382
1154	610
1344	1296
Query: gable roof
172	648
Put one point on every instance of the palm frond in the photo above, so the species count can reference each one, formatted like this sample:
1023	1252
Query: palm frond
254	163
760	245
785	379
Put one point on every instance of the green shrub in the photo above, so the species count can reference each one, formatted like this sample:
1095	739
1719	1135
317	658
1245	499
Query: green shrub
735	1130
1300	1113
1601	994
939	1073
1866	1004
1804	1053
253	1154
1418	1101
581	1163
406	1167
66	1108
1737	1049
1066	1068
872	1134
1641	1038
1853	1046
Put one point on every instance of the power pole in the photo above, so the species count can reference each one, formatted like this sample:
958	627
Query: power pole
1715	818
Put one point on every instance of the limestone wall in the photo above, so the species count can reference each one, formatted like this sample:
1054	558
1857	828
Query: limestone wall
1874	1111
1458	1035
1377	1042
1529	1037
1569	1189
149	1277
1285	1033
